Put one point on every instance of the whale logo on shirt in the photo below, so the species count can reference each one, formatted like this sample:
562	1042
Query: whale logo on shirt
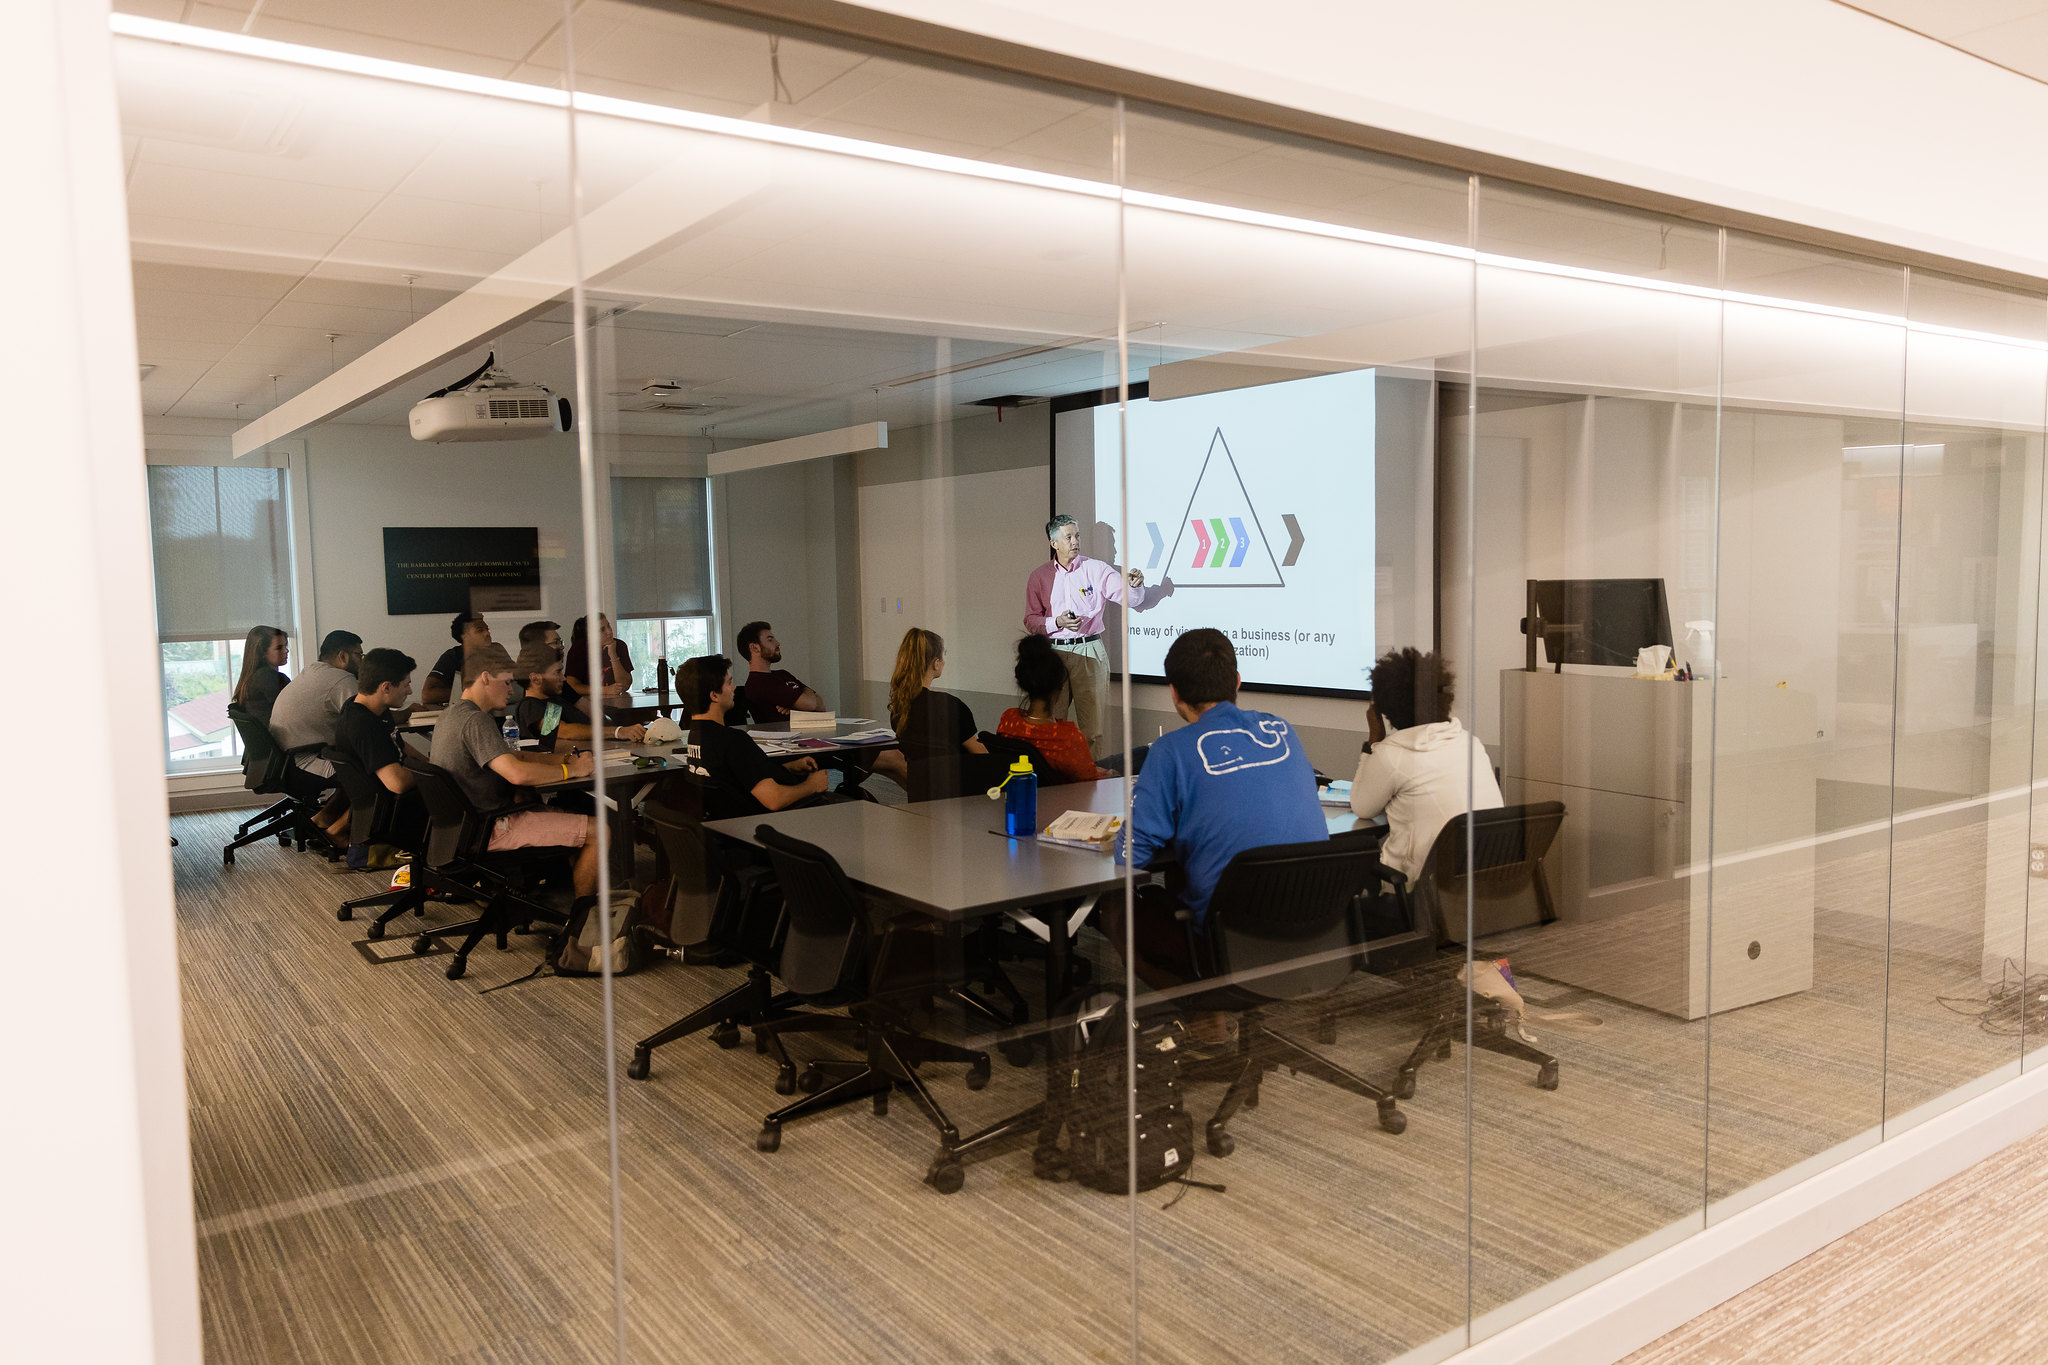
1229	751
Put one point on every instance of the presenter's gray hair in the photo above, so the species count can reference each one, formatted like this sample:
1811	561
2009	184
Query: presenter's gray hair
1052	528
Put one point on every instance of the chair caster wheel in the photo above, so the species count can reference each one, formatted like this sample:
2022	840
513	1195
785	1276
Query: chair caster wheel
420	911
811	1081
946	1176
1443	1050
768	1139
375	930
423	944
785	1081
882	1103
1404	1086
283	841
1018	1051
457	968
637	1068
344	914
227	860
1546	1079
761	1043
977	1075
1220	1142
726	1035
1392	1119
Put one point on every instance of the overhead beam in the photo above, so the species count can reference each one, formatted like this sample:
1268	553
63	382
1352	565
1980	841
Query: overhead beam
817	446
660	211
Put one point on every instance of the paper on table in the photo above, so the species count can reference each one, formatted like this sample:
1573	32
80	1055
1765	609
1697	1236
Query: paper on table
1083	829
878	732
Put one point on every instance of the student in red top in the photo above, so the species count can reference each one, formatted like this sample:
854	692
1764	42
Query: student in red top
1041	677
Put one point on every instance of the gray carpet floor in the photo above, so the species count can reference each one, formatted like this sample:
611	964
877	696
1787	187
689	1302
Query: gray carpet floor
394	1167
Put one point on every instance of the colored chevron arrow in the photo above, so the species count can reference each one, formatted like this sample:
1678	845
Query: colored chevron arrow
1294	539
1222	542
1243	542
1201	543
1158	545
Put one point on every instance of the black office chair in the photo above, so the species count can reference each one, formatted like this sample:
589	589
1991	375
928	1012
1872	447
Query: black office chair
1281	927
1504	871
391	819
833	955
457	852
726	911
269	769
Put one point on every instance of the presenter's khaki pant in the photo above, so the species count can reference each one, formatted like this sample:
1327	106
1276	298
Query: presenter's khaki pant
1087	683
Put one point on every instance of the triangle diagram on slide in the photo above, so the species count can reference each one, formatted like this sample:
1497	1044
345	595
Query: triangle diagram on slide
1219	543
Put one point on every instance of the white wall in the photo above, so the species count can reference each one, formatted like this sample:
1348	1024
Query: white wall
1802	110
97	1251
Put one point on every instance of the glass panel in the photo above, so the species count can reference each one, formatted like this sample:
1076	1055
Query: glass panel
1969	573
1282	490
1590	502
860	349
388	1164
1810	480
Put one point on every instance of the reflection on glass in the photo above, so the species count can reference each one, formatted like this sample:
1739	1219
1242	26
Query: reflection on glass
1591	490
1963	724
1803	730
823	380
1280	475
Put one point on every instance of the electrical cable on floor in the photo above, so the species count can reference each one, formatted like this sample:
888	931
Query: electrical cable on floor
2016	1005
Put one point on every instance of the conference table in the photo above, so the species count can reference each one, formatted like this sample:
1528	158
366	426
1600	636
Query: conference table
950	861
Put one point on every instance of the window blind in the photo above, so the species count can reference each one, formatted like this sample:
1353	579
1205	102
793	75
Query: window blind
222	545
661	546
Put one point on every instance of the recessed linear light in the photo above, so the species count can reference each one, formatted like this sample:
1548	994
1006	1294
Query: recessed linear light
240	44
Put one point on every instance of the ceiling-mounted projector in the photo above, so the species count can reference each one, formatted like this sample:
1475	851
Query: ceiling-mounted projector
488	405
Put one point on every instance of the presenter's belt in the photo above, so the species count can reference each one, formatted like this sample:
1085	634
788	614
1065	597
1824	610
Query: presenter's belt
1078	640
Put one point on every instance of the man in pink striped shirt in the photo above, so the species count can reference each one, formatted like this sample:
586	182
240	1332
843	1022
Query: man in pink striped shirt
1064	598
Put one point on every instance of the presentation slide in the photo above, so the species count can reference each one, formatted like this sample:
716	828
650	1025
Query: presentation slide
1252	511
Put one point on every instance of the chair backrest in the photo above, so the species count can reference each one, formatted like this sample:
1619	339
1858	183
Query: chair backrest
1505	859
676	812
370	803
452	826
825	947
263	759
1284	903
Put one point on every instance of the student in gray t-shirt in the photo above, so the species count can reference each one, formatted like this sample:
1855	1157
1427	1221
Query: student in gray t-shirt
470	748
306	710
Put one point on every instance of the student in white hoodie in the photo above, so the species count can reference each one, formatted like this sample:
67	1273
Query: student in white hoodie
1420	765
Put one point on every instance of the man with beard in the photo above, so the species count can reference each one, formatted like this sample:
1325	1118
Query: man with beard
546	713
772	693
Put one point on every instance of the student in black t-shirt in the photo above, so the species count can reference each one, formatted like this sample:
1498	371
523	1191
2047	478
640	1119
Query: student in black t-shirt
730	756
935	729
546	713
470	631
364	728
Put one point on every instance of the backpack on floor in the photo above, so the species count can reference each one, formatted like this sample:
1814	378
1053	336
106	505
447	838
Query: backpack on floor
1088	1057
579	951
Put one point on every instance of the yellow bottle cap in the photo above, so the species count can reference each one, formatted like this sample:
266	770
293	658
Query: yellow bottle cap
1020	764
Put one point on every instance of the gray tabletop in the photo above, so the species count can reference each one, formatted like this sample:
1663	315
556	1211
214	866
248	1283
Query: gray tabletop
1104	798
953	869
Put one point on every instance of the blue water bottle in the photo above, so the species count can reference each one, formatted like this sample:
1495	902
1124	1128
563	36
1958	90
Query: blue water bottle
1020	800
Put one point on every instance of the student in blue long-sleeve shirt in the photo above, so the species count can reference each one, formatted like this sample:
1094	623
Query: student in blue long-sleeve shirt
1230	780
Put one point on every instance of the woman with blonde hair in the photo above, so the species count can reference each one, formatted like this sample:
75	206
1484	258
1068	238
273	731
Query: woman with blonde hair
263	653
934	729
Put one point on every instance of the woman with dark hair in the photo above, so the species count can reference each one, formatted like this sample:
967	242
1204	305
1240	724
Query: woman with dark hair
263	654
617	682
1040	677
934	729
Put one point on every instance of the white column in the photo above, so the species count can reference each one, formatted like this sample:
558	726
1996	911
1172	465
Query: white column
97	1257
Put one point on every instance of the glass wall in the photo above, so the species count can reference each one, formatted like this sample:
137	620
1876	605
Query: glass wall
1569	676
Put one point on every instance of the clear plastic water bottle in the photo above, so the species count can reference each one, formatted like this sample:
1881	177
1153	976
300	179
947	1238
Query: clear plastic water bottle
1020	800
512	728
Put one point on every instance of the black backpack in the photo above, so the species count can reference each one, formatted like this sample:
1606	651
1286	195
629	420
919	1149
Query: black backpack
1088	1055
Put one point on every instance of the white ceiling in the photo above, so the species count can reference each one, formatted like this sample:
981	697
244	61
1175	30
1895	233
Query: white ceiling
277	211
2012	33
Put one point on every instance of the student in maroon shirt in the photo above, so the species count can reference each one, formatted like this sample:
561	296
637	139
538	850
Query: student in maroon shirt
772	693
